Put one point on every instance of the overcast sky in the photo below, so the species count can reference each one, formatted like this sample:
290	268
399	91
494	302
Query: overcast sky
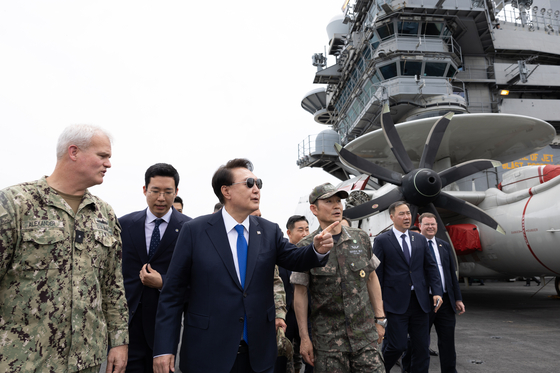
189	83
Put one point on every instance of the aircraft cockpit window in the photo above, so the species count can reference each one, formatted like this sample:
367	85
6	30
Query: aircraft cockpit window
386	31
411	68
451	72
432	28
389	71
434	69
408	28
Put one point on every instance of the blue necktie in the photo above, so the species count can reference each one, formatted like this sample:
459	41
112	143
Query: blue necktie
155	240
242	261
406	252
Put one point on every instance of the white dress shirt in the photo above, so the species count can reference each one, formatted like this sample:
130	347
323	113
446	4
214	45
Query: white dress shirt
438	260
230	224
150	224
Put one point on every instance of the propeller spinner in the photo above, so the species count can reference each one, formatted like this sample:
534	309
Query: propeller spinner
420	187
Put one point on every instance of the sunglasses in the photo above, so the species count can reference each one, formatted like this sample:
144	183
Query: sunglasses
250	182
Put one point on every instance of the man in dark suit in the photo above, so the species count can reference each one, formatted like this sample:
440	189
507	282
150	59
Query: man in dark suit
406	272
444	319
297	228
228	259
149	238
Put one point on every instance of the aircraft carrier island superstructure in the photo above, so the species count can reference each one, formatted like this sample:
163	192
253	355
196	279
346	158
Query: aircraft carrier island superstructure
454	107
429	57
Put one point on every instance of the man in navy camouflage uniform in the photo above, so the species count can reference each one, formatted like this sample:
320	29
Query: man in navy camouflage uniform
62	302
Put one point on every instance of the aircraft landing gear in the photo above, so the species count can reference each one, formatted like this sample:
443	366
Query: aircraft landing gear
557	285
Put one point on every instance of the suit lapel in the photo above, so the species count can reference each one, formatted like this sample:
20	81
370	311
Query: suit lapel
218	235
396	245
255	238
444	257
138	235
417	254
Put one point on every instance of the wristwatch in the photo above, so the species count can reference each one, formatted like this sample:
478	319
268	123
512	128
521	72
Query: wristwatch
381	321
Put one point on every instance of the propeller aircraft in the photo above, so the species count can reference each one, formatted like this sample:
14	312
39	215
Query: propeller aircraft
513	229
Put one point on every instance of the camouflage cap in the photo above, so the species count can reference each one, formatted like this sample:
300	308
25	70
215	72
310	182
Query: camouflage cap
325	191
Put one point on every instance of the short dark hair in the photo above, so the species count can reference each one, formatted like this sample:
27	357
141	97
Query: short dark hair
414	228
293	220
347	220
178	200
161	169
426	215
394	206
218	206
224	176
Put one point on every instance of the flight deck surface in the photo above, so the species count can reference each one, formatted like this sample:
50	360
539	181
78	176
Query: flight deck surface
506	328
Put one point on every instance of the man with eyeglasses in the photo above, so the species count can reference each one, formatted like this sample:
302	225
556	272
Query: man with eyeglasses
149	238
228	259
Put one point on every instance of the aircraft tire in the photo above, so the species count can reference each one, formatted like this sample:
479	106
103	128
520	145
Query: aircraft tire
557	285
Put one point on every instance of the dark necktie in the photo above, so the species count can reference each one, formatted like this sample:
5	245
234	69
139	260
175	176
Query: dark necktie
156	239
242	262
432	249
406	252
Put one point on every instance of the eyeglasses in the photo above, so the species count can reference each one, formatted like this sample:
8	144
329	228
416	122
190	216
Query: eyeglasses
250	182
158	193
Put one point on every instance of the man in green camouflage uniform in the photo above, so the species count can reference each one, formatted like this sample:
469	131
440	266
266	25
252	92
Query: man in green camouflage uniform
345	296
62	300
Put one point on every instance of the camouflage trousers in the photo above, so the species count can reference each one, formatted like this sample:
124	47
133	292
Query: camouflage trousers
366	360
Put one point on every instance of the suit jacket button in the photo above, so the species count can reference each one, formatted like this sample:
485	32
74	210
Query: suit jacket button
244	295
241	319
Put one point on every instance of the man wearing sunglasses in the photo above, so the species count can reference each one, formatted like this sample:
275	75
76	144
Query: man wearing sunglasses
228	259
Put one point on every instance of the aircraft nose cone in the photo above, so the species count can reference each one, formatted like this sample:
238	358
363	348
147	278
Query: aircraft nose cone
421	186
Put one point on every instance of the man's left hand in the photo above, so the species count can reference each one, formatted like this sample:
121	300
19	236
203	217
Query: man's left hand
280	323
459	306
150	277
437	304
323	242
117	359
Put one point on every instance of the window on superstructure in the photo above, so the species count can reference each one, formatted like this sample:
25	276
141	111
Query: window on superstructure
386	31
451	72
432	28
389	71
408	28
374	41
411	68
435	69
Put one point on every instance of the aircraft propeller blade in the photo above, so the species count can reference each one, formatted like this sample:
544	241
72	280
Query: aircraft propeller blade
434	141
364	166
394	140
374	206
465	169
459	206
413	214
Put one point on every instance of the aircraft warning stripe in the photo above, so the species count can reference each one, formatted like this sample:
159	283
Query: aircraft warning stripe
525	233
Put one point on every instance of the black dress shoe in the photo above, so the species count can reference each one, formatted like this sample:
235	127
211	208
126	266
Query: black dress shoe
433	353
